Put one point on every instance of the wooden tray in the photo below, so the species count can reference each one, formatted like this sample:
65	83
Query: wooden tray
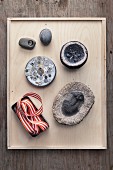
91	132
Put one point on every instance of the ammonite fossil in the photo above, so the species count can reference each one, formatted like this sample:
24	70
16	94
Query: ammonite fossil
40	71
73	54
73	103
45	36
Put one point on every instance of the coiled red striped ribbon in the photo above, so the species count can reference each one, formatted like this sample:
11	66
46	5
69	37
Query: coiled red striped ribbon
30	116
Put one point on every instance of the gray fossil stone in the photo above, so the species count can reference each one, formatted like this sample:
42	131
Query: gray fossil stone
45	36
27	43
72	103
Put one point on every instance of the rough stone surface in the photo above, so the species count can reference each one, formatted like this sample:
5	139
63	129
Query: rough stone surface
64	94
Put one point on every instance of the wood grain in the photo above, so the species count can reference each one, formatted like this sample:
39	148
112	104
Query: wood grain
56	159
91	133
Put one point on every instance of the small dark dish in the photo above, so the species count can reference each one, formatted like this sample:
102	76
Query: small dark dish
73	54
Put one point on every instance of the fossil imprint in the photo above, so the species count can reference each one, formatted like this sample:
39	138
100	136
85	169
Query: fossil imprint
73	103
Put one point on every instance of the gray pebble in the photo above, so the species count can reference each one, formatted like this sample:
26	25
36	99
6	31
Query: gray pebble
45	36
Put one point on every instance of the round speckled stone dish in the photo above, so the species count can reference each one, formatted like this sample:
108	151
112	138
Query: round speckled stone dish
40	71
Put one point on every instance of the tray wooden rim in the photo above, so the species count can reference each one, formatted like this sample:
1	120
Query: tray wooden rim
104	109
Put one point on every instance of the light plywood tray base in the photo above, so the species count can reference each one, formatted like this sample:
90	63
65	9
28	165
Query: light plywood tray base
91	132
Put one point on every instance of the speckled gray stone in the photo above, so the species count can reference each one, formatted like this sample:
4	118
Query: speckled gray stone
45	36
66	94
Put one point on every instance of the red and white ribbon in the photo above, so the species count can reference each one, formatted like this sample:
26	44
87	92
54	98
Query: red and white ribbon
30	116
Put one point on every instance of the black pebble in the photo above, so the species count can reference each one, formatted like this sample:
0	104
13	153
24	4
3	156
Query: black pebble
27	43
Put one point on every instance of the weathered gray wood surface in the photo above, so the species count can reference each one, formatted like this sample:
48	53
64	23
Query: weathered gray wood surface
55	159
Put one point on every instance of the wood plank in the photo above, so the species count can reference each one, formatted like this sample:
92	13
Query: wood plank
58	19
8	76
103	79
